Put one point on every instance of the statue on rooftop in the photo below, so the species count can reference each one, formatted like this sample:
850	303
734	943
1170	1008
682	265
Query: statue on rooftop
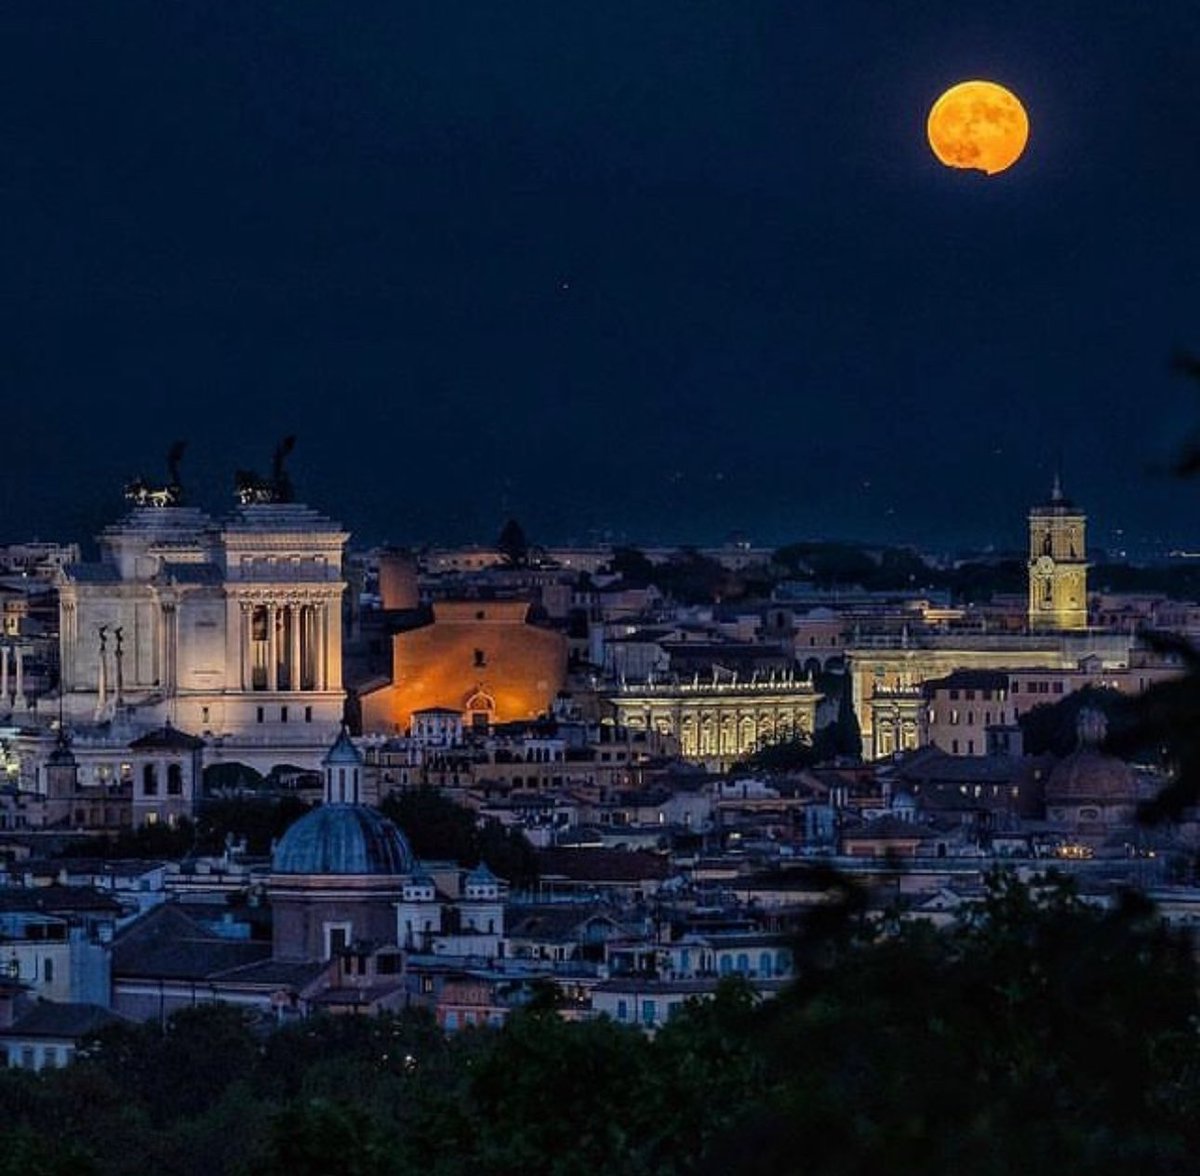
253	490
142	493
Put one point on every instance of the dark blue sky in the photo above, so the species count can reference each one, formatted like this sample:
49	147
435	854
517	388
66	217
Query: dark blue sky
666	270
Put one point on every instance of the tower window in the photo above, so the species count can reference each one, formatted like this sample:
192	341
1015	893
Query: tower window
480	658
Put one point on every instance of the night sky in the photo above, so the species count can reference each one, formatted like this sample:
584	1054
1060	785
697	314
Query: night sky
651	271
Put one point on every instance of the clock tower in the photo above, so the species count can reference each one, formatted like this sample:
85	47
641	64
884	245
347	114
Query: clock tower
1057	567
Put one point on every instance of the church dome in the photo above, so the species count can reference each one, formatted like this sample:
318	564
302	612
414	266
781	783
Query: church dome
1088	774
343	839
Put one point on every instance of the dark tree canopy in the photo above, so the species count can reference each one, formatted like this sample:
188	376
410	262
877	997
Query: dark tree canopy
437	828
1039	1035
512	543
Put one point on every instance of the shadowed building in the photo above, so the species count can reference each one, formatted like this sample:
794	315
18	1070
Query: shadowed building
482	658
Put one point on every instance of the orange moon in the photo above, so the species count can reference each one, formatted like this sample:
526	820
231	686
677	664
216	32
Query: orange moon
978	125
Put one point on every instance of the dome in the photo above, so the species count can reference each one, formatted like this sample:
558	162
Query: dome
343	839
1087	775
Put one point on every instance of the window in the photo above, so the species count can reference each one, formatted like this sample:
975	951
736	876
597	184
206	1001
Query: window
174	780
50	1056
480	658
28	1058
622	1010
149	780
308	714
649	1012
204	715
337	938
954	747
259	714
48	971
283	714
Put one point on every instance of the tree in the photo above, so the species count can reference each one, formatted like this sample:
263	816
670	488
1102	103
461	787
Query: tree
1039	1035
632	566
1053	728
513	545
436	827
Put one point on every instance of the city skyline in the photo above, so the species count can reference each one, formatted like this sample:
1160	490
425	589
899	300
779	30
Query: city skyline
667	278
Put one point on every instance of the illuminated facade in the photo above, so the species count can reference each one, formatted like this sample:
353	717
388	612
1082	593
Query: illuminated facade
1057	566
888	669
718	723
231	629
480	658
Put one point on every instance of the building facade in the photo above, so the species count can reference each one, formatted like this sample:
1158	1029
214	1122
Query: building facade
1057	566
719	722
231	629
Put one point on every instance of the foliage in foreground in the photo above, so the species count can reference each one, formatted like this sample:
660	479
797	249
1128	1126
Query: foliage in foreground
1040	1035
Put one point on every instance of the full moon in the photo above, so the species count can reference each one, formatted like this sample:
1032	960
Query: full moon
978	125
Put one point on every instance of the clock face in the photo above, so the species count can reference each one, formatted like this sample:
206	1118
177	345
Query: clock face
1044	564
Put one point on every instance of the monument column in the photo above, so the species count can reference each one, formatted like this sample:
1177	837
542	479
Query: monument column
323	646
294	614
333	657
272	648
20	652
246	644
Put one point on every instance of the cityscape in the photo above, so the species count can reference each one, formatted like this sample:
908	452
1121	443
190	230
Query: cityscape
588	594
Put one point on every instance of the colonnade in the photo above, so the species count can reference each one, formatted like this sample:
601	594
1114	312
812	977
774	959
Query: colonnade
17	691
704	730
286	644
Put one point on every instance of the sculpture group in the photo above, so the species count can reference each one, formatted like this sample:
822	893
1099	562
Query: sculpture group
250	489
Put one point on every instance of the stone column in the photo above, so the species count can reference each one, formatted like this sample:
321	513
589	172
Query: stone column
3	675
272	648
294	613
333	658
20	652
246	645
323	646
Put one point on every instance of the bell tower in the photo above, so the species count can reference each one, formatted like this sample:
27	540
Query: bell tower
1057	565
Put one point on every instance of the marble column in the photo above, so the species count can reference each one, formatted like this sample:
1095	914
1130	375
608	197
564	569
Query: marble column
294	611
246	645
323	647
272	648
20	652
